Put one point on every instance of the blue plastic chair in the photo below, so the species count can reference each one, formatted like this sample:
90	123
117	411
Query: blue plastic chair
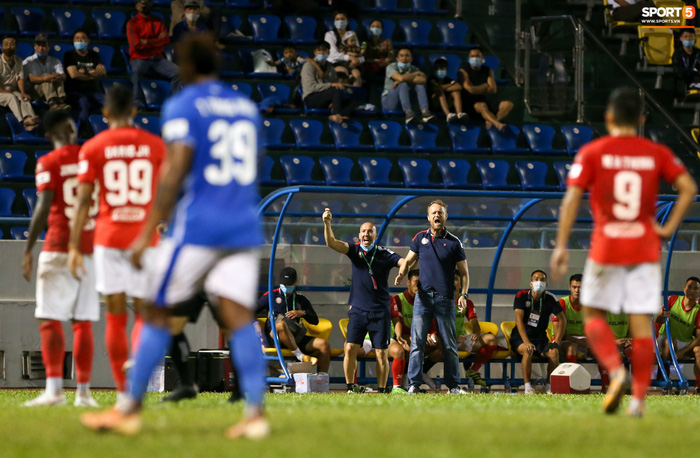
12	164
424	138
24	49
504	141
532	176
494	174
87	2
58	50
453	63
493	63
106	53
361	206
68	21
19	233
40	153
108	83
29	19
389	6
386	136
465	138
398	238
540	138
347	136
280	90
328	21
314	236
521	241
30	198
7	197
416	173
230	24
155	92
124	49
576	137
265	28
20	135
337	170
427	7
245	4
98	123
272	132
416	32
110	24
148	123
562	169
454	34
301	29
376	171
266	179
455	173
243	88
247	61
480	242
307	133
388	27
298	169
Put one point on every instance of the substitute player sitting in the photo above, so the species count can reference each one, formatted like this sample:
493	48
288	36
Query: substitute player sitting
574	342
59	296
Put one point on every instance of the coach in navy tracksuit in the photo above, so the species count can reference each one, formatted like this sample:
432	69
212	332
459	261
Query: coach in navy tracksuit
440	253
369	298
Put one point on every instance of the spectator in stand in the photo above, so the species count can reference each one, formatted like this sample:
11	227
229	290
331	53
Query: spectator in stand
12	90
351	47
342	61
401	79
147	36
84	68
177	11
320	86
480	86
574	341
445	93
46	76
686	60
628	10
379	53
193	22
290	63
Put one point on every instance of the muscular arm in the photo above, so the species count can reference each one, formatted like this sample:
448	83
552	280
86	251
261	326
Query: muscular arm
76	75
559	330
38	223
464	273
469	87
411	257
37	79
338	245
491	83
99	71
20	85
520	323
81	215
476	329
687	189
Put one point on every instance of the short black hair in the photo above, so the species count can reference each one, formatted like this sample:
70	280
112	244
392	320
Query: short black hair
401	48
289	46
81	31
53	119
687	30
440	63
322	45
200	50
119	101
626	106
337	12
574	277
540	271
695	279
413	273
9	36
478	48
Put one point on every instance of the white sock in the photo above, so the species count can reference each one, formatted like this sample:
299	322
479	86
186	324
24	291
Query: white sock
54	384
83	388
298	354
397	386
528	386
636	403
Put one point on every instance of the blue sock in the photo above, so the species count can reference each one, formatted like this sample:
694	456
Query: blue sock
246	355
155	341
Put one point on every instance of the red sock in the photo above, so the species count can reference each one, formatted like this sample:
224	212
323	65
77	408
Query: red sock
397	368
117	347
604	378
483	356
602	342
642	362
83	350
571	358
136	333
53	347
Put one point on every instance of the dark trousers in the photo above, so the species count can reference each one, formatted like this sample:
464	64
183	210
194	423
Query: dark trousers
332	97
630	13
160	65
86	102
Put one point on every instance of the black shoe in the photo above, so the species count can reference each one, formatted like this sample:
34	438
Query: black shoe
181	392
235	396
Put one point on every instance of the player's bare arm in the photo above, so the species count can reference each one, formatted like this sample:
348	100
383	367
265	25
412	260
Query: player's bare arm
567	215
75	258
172	174
37	224
476	329
687	189
338	245
411	258
561	329
464	273
520	323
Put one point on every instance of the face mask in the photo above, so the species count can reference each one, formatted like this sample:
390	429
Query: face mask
539	287
441	73
475	62
287	289
80	45
146	11
192	17
403	65
340	24
688	43
375	31
321	57
366	249
42	54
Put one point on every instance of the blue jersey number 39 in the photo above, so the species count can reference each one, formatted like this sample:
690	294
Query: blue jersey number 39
235	145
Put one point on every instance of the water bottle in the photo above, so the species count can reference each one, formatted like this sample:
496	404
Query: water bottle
470	384
438	383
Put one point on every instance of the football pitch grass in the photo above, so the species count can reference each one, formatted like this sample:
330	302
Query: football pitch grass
364	425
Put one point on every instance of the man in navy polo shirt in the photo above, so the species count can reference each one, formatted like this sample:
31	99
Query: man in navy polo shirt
369	299
440	253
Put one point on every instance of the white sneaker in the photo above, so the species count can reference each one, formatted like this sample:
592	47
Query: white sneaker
530	390
47	399
428	381
461	116
455	391
452	117
85	400
548	389
121	399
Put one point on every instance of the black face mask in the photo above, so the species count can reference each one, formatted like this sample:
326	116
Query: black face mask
146	10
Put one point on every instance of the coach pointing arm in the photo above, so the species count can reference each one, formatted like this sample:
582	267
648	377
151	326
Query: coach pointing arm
338	245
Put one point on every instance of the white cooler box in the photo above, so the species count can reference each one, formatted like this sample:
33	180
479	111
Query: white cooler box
570	378
311	383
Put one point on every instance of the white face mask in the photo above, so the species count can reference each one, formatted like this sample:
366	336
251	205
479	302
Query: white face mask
192	17
539	287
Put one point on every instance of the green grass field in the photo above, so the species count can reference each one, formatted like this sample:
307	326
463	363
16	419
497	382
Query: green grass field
369	425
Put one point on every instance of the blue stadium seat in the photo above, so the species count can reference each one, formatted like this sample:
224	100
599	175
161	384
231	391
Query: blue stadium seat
266	173
106	53
540	138
337	170
245	4
87	2
363	207
243	88
504	141
399	238
68	21
98	123
347	136
388	27
272	132
427	7
532	176
282	91
40	153
500	35
57	50
149	123
20	135
576	137
416	32
24	49
453	63
7	197
329	20
376	171
12	166
389	6
314	236
307	133
298	169
155	92
416	173
424	138
301	29
19	233
454	34
30	199
247	61
455	173
465	138
521	241
562	169
265	28
480	242
229	66
107	83
124	49
110	24
29	19
493	63
494	174
386	136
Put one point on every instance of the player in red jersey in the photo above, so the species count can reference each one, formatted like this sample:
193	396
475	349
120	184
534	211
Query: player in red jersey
59	296
122	162
622	171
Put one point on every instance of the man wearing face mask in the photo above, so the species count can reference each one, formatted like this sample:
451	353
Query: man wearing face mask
369	299
85	69
289	307
12	91
320	86
686	60
192	23
533	307
445	92
400	80
177	12
46	75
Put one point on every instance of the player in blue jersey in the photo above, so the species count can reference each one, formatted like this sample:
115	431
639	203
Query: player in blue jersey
211	133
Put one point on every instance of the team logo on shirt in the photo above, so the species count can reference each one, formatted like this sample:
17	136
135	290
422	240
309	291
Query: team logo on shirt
278	300
527	303
424	241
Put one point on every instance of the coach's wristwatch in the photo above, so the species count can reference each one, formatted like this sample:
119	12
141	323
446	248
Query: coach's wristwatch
465	295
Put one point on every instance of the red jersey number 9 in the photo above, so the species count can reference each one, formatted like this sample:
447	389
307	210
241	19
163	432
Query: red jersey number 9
70	198
628	195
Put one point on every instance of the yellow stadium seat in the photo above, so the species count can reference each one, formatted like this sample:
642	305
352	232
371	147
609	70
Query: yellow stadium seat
620	29
344	329
656	48
550	331
507	328
696	136
672	4
697	31
321	330
487	326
